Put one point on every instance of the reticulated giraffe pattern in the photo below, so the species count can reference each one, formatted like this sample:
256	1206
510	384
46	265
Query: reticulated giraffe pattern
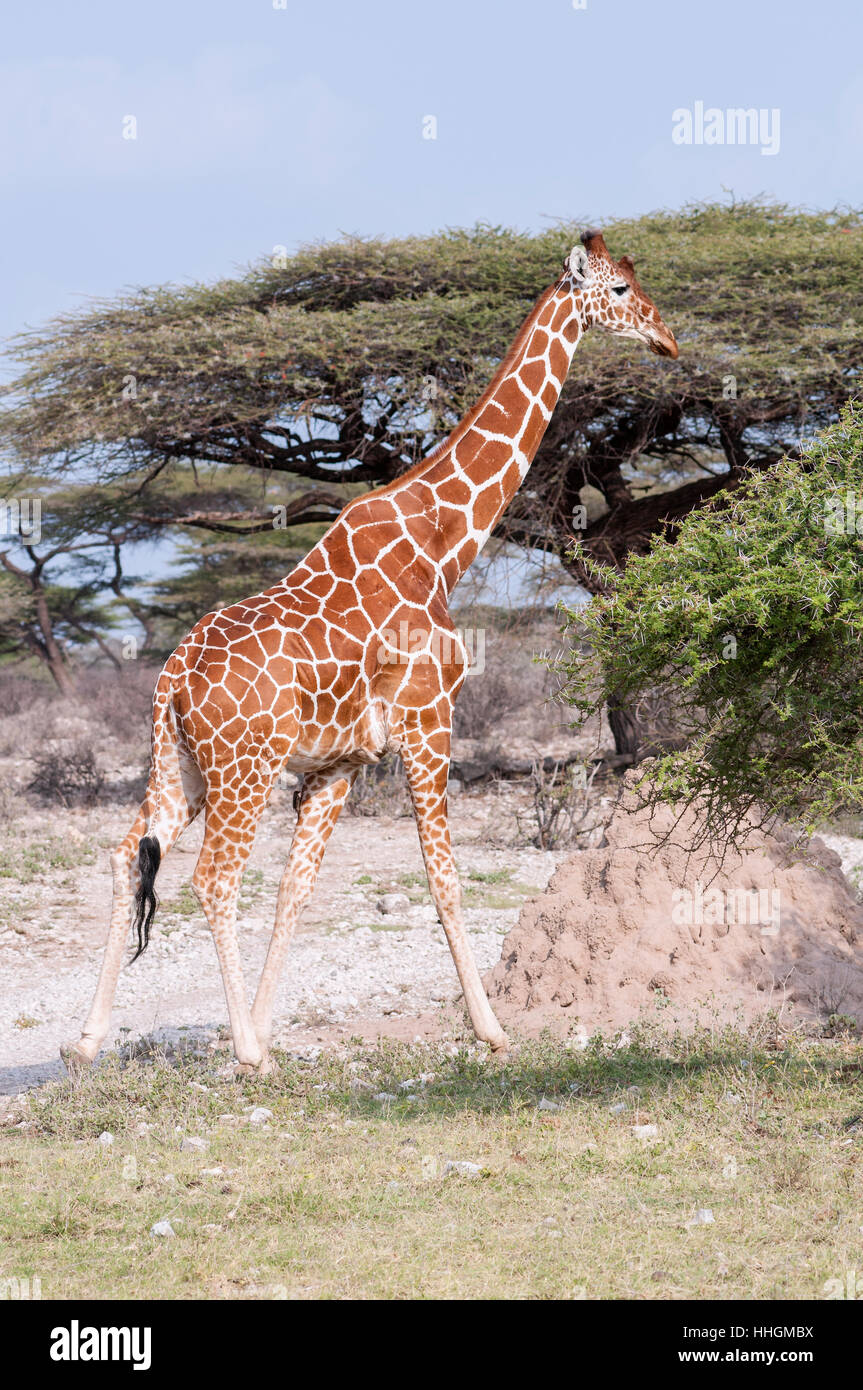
352	655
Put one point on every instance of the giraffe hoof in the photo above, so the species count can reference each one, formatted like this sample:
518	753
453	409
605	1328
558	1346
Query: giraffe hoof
75	1060
262	1068
500	1046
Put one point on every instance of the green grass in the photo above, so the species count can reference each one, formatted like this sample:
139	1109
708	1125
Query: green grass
477	889
344	1195
28	862
183	904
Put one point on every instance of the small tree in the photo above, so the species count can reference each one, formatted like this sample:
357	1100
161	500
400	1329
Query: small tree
752	625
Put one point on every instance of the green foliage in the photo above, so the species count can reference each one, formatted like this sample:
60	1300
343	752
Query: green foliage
751	625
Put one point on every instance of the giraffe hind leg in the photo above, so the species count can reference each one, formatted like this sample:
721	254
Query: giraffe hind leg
231	820
180	802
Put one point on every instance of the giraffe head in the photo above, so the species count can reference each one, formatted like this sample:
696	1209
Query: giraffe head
612	297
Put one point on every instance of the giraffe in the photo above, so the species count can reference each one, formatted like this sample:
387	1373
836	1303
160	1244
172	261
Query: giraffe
352	655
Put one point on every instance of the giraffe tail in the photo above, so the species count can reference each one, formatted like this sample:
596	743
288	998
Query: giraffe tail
146	902
149	848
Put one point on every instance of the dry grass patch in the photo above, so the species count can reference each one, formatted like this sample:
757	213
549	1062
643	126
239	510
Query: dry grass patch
589	1173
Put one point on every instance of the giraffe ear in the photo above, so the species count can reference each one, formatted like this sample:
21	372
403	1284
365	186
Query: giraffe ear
578	265
628	264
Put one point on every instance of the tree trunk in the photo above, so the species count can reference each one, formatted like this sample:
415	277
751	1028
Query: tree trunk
624	726
53	655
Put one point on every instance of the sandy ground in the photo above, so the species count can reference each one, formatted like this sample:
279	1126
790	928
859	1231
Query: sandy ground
352	969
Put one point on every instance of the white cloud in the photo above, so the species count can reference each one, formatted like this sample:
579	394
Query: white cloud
230	109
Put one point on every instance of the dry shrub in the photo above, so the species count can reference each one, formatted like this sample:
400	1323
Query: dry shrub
67	774
563	804
119	702
18	693
380	790
510	683
11	804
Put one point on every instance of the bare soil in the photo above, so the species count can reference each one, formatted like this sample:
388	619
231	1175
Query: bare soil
352	970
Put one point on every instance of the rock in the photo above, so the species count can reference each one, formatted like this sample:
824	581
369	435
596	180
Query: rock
384	1096
703	1217
106	1139
162	1228
260	1115
192	1145
548	1105
461	1166
618	1108
393	902
645	1131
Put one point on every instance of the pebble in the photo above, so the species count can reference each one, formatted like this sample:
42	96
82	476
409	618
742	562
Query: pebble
548	1105
194	1146
393	902
260	1115
162	1228
463	1167
645	1131
106	1139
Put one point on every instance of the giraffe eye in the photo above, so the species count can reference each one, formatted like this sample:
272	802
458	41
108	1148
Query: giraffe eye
620	289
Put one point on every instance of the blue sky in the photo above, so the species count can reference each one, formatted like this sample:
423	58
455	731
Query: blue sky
260	126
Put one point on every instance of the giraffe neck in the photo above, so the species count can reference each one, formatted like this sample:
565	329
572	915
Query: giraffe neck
470	479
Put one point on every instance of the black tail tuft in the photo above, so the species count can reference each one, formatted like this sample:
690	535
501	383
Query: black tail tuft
146	902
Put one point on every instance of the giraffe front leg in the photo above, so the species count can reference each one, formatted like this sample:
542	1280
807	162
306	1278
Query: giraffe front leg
324	795
427	773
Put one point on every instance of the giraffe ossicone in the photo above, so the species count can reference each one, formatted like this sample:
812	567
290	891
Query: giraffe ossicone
302	677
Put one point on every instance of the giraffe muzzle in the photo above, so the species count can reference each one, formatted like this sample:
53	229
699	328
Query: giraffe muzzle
664	344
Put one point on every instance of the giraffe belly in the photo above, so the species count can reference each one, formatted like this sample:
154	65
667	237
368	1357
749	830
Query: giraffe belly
365	741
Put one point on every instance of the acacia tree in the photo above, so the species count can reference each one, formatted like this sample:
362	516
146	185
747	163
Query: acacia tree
337	368
65	588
